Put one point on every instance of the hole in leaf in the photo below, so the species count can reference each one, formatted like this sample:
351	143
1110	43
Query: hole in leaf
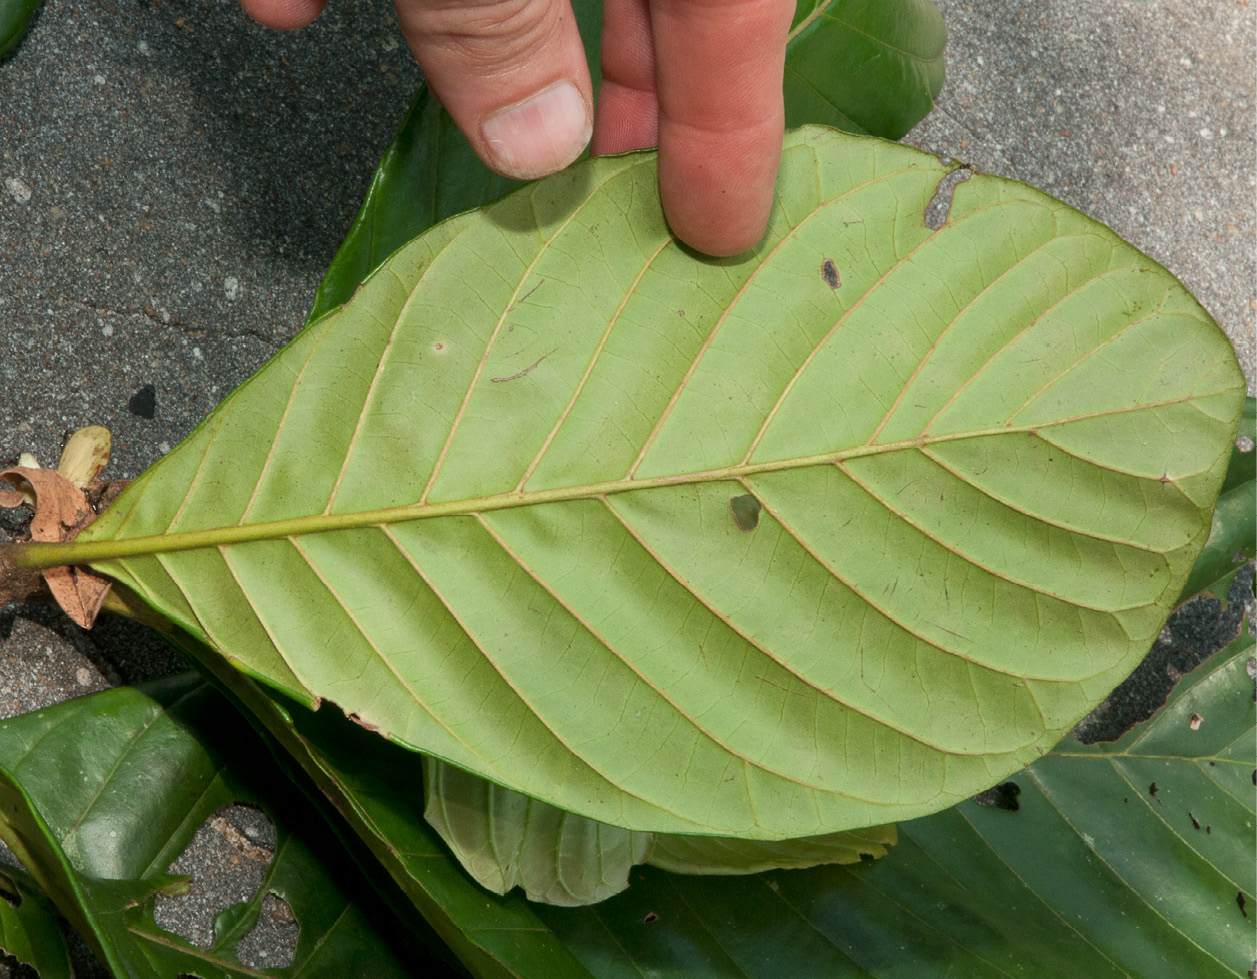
650	916
1152	790
1003	796
226	861
272	942
1194	722
9	892
745	510
144	402
939	207
11	967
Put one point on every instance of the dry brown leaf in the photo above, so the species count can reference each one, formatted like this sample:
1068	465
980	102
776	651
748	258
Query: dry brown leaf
61	511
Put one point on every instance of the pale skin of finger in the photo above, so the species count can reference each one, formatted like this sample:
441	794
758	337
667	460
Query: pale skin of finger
511	73
699	78
283	15
715	76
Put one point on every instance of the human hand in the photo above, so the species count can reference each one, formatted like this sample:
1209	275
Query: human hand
702	79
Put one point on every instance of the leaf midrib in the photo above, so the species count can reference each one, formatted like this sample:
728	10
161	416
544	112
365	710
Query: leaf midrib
41	554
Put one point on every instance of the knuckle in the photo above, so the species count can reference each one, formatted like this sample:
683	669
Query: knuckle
492	37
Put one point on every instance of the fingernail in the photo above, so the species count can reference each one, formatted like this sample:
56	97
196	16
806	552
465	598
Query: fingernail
539	135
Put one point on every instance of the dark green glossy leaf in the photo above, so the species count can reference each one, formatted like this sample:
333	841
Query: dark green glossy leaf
1045	892
864	66
29	930
376	789
1243	466
99	795
15	17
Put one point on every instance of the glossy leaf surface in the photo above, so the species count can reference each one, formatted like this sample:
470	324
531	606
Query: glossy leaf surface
1043	892
1233	532
29	930
485	508
100	794
15	17
864	67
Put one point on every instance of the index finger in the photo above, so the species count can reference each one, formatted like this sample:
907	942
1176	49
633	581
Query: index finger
718	74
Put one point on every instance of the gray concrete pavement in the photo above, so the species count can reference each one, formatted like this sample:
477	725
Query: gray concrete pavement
174	180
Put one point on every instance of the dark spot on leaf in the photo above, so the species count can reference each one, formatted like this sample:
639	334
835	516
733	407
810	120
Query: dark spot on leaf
650	916
1213	764
1241	900
1126	798
1003	796
1195	821
829	272
1208	830
144	402
1152	790
745	510
1255	776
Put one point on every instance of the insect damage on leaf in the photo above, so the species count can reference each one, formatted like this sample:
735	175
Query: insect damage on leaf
829	273
745	509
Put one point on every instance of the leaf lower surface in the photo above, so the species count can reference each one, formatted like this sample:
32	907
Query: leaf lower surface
485	508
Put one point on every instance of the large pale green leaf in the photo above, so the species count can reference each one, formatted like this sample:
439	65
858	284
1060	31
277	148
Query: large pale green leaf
486	507
864	67
99	795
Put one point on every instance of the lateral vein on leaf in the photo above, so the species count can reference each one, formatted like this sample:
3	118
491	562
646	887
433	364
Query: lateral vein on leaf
1065	372
764	650
1109	864
900	262
1041	898
283	423
380	370
506	679
951	549
379	653
593	361
659	691
257	614
733	302
542	252
40	554
1090	535
973	300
